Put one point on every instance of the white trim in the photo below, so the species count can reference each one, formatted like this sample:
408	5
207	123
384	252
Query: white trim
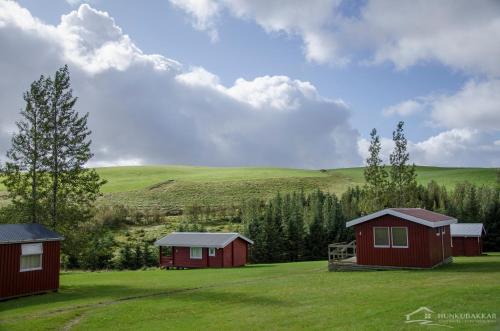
236	235
388	237
193	257
29	241
410	218
468	233
210	251
162	241
392	236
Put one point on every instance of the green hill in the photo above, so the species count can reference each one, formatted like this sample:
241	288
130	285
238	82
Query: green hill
172	188
175	187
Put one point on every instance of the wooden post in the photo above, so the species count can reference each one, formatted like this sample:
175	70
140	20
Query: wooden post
160	257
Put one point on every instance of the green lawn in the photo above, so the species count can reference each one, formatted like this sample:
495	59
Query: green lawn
291	296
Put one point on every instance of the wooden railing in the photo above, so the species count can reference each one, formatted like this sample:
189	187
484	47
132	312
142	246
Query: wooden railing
166	261
341	251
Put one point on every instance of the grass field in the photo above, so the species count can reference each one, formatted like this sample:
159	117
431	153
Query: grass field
172	188
289	296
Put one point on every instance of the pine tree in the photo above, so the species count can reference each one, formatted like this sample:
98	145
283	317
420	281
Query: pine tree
25	172
73	186
316	238
126	257
295	232
271	235
375	176
403	177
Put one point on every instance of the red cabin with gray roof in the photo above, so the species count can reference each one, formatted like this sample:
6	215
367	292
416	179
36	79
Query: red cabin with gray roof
467	239
403	237
29	260
203	250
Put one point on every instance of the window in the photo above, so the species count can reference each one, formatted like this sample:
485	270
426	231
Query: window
399	237
381	237
438	230
195	253
211	251
31	257
166	251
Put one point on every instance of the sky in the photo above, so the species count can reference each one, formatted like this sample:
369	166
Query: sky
264	82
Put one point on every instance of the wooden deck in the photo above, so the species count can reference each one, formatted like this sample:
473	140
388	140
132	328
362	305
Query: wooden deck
342	257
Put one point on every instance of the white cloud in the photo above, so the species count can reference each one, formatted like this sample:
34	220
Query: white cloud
461	34
308	20
457	33
476	105
199	77
456	147
148	109
405	108
278	92
204	13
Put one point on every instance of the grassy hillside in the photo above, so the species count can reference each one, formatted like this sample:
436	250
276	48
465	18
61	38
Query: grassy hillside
289	296
168	188
172	188
122	179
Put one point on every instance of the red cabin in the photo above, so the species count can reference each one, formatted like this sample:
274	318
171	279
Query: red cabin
403	237
467	239
203	250
29	260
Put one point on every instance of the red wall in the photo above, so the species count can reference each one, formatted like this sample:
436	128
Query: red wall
240	252
424	247
215	261
437	247
233	255
467	246
182	259
228	255
16	283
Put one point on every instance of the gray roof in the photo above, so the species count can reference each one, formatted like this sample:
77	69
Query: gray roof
417	215
32	232
467	229
200	239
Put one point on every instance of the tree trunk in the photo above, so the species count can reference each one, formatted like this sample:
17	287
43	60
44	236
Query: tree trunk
55	172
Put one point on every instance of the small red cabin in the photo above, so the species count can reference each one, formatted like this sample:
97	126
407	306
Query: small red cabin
403	237
29	260
467	239
203	250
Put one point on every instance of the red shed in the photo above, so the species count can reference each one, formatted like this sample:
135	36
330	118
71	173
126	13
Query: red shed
403	237
467	239
29	260
203	250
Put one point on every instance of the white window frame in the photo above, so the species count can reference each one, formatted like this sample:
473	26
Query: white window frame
392	236
193	256
211	251
33	249
388	237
